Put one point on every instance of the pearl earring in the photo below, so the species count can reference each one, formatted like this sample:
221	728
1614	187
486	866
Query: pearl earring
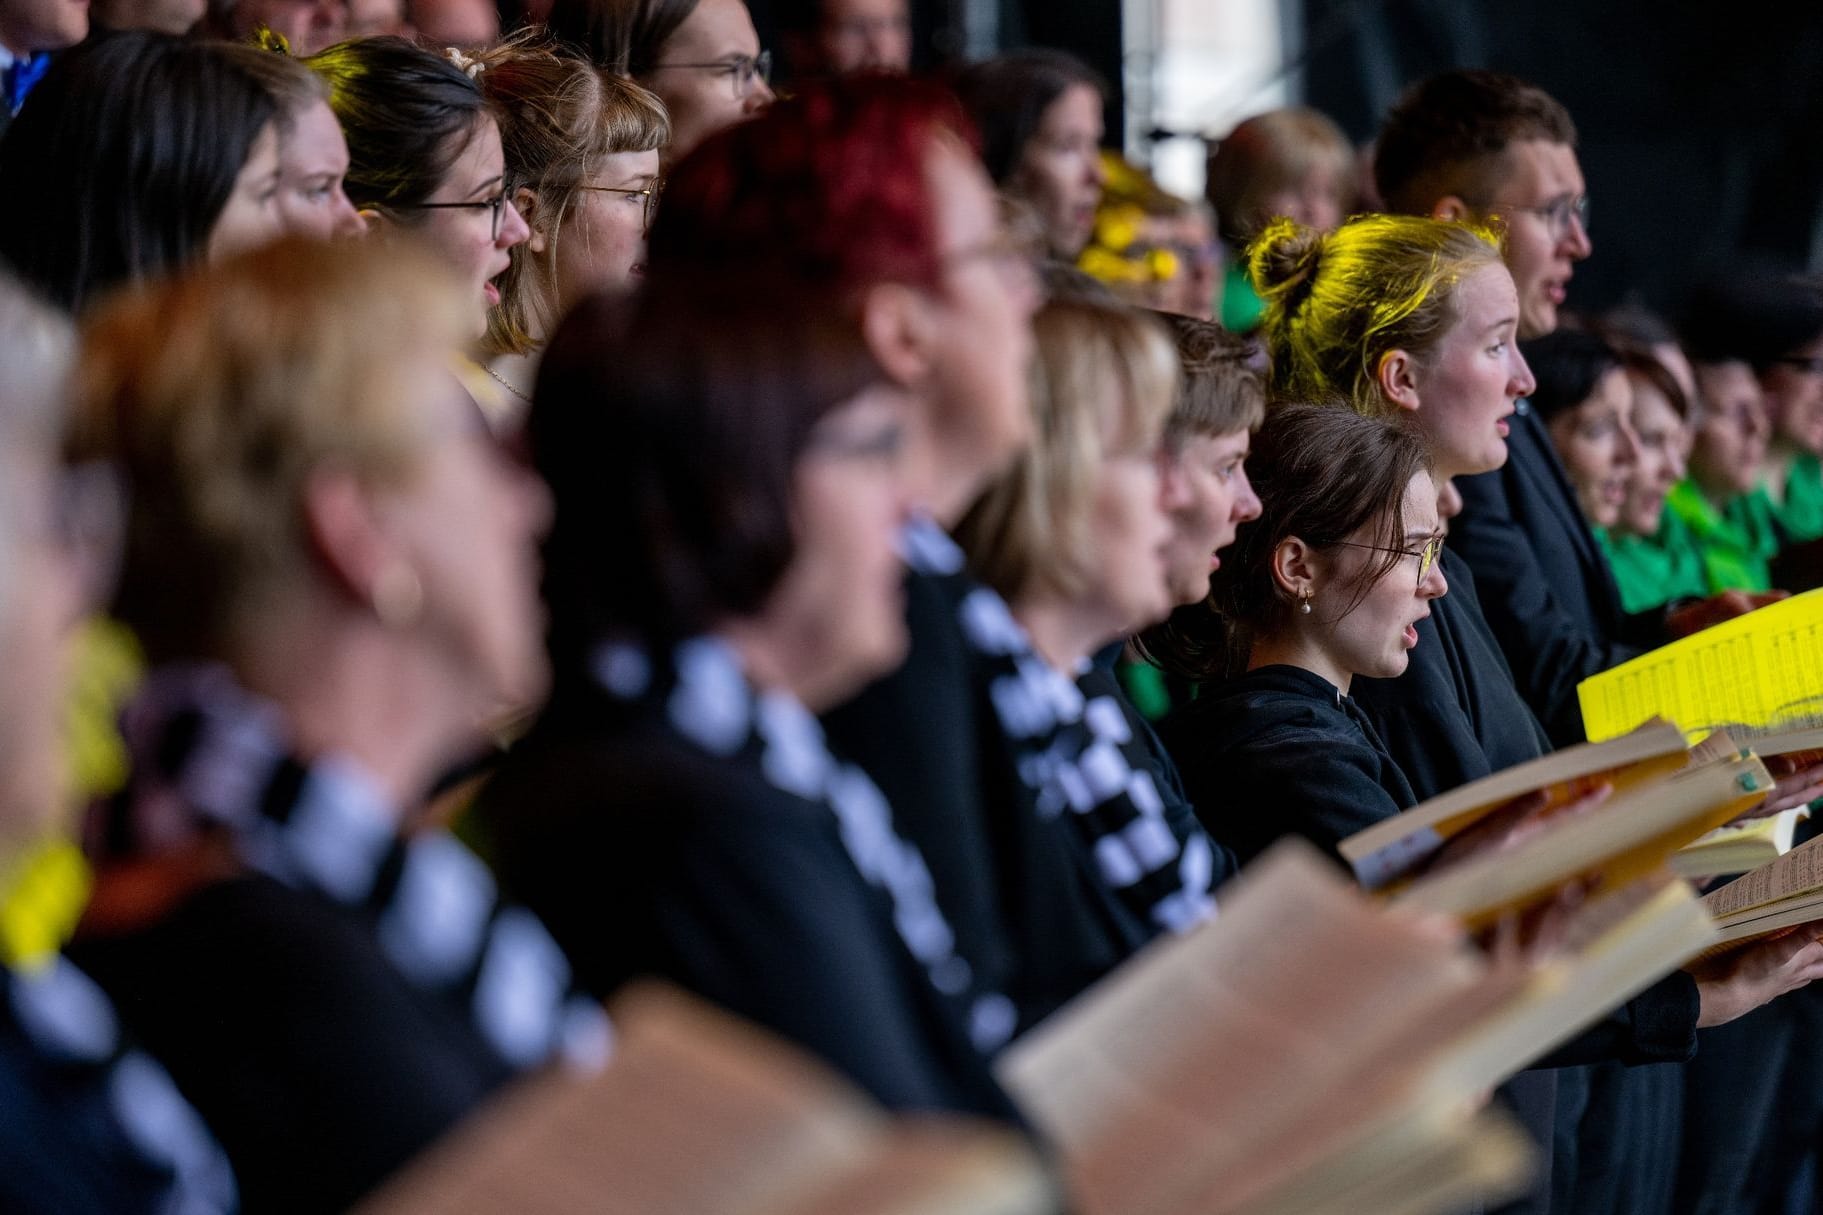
1304	607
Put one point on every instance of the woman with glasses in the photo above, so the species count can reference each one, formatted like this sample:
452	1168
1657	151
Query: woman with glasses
332	568
425	158
581	148
162	152
1325	587
1416	320
702	58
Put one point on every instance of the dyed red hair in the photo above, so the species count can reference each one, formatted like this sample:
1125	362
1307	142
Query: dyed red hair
825	192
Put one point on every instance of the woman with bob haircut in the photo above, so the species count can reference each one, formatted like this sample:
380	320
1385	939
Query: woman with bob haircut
722	566
88	1122
425	158
581	147
164	153
1076	542
331	567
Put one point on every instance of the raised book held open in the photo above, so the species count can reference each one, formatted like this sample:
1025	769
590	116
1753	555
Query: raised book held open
1310	1050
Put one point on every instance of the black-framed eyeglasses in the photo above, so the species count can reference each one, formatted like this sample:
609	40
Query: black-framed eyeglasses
1556	214
648	198
1427	556
743	71
496	205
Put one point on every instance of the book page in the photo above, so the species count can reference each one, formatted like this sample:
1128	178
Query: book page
696	1112
1624	838
1798	872
1758	670
1178	1068
1390	848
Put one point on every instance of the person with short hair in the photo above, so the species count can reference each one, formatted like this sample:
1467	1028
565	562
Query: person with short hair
581	148
1040	117
701	57
1583	398
331	567
1294	163
167	152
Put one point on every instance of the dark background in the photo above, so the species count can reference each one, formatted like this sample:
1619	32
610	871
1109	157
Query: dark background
1701	121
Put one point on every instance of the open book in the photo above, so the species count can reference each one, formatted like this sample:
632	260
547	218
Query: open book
1629	836
1762	670
1773	898
1740	847
1391	848
1308	1050
699	1112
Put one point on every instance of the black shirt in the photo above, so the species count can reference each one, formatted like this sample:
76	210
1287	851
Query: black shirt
646	856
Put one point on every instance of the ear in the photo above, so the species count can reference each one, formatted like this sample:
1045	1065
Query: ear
345	535
1451	207
372	220
1295	568
897	325
525	201
1397	379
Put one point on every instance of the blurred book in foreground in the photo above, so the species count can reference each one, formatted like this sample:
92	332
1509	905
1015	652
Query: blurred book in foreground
1741	847
700	1112
1310	1050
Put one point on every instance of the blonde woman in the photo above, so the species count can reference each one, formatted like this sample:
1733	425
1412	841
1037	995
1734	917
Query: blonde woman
582	147
331	567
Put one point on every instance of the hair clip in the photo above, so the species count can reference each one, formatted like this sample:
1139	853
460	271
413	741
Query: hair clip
471	67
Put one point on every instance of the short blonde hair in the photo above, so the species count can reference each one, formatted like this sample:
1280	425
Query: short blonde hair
219	392
1103	382
1271	152
559	114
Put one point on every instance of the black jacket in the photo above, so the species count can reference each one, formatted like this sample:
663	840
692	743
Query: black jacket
1279	751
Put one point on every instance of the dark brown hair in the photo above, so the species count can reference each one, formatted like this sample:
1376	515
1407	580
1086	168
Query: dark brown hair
1322	473
624	36
668	431
1443	134
1007	96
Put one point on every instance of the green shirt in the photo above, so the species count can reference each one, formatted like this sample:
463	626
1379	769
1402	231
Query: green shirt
1652	571
1242	307
1801	514
1737	543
